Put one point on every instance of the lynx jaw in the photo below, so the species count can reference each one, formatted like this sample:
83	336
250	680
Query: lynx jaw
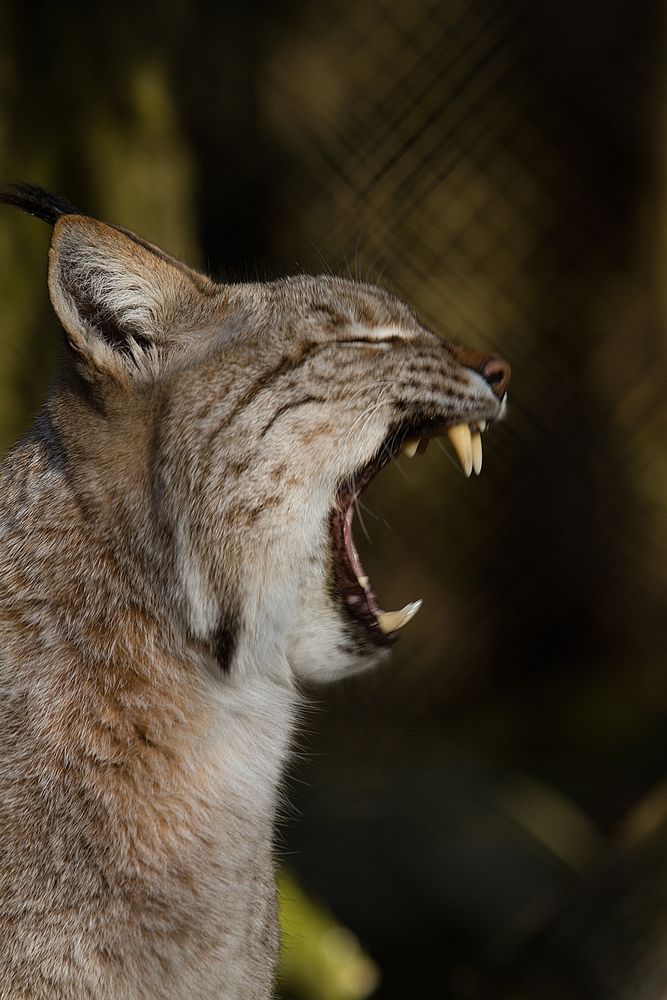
353	584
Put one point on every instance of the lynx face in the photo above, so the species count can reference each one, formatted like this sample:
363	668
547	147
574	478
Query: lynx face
281	430
227	432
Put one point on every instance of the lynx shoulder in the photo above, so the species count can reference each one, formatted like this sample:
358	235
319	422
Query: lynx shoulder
176	556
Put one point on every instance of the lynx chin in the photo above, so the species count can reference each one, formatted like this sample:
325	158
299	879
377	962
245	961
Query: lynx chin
176	556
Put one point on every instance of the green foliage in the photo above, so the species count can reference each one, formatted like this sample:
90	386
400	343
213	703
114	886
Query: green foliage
319	959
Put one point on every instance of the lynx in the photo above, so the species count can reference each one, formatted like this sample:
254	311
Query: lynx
176	559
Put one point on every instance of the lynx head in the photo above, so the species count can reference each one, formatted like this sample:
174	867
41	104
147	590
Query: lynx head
222	433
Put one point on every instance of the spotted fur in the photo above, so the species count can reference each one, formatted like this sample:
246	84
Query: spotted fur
165	584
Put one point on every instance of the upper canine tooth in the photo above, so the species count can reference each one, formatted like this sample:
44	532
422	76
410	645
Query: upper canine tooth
391	621
462	444
476	440
410	449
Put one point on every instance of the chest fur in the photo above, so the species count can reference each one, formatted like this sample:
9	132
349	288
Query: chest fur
136	817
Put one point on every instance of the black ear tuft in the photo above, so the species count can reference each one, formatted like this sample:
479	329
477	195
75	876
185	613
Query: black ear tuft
36	201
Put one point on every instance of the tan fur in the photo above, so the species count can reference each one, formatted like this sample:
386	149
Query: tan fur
165	582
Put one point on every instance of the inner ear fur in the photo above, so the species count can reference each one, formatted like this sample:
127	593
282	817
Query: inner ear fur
124	304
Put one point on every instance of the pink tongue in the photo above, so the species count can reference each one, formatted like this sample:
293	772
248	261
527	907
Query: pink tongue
355	561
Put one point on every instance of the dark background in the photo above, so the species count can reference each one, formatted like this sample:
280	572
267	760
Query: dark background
487	813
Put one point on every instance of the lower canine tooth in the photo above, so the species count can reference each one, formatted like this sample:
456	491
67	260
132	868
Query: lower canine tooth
462	445
410	449
391	621
477	452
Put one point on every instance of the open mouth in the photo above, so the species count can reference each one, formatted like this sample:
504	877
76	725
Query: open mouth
352	582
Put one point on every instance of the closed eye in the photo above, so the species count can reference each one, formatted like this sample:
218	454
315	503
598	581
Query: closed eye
369	341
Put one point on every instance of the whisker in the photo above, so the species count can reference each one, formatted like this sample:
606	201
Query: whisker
376	517
401	469
446	453
366	415
357	508
327	267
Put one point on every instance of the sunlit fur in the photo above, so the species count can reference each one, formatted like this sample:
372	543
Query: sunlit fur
165	583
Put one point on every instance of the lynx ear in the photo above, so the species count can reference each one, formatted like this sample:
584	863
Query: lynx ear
124	304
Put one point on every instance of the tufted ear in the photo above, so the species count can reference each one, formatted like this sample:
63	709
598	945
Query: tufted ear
124	304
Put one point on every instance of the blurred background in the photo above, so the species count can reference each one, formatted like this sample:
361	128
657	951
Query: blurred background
485	817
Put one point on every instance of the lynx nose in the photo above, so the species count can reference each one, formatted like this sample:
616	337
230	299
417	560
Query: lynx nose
494	370
496	373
